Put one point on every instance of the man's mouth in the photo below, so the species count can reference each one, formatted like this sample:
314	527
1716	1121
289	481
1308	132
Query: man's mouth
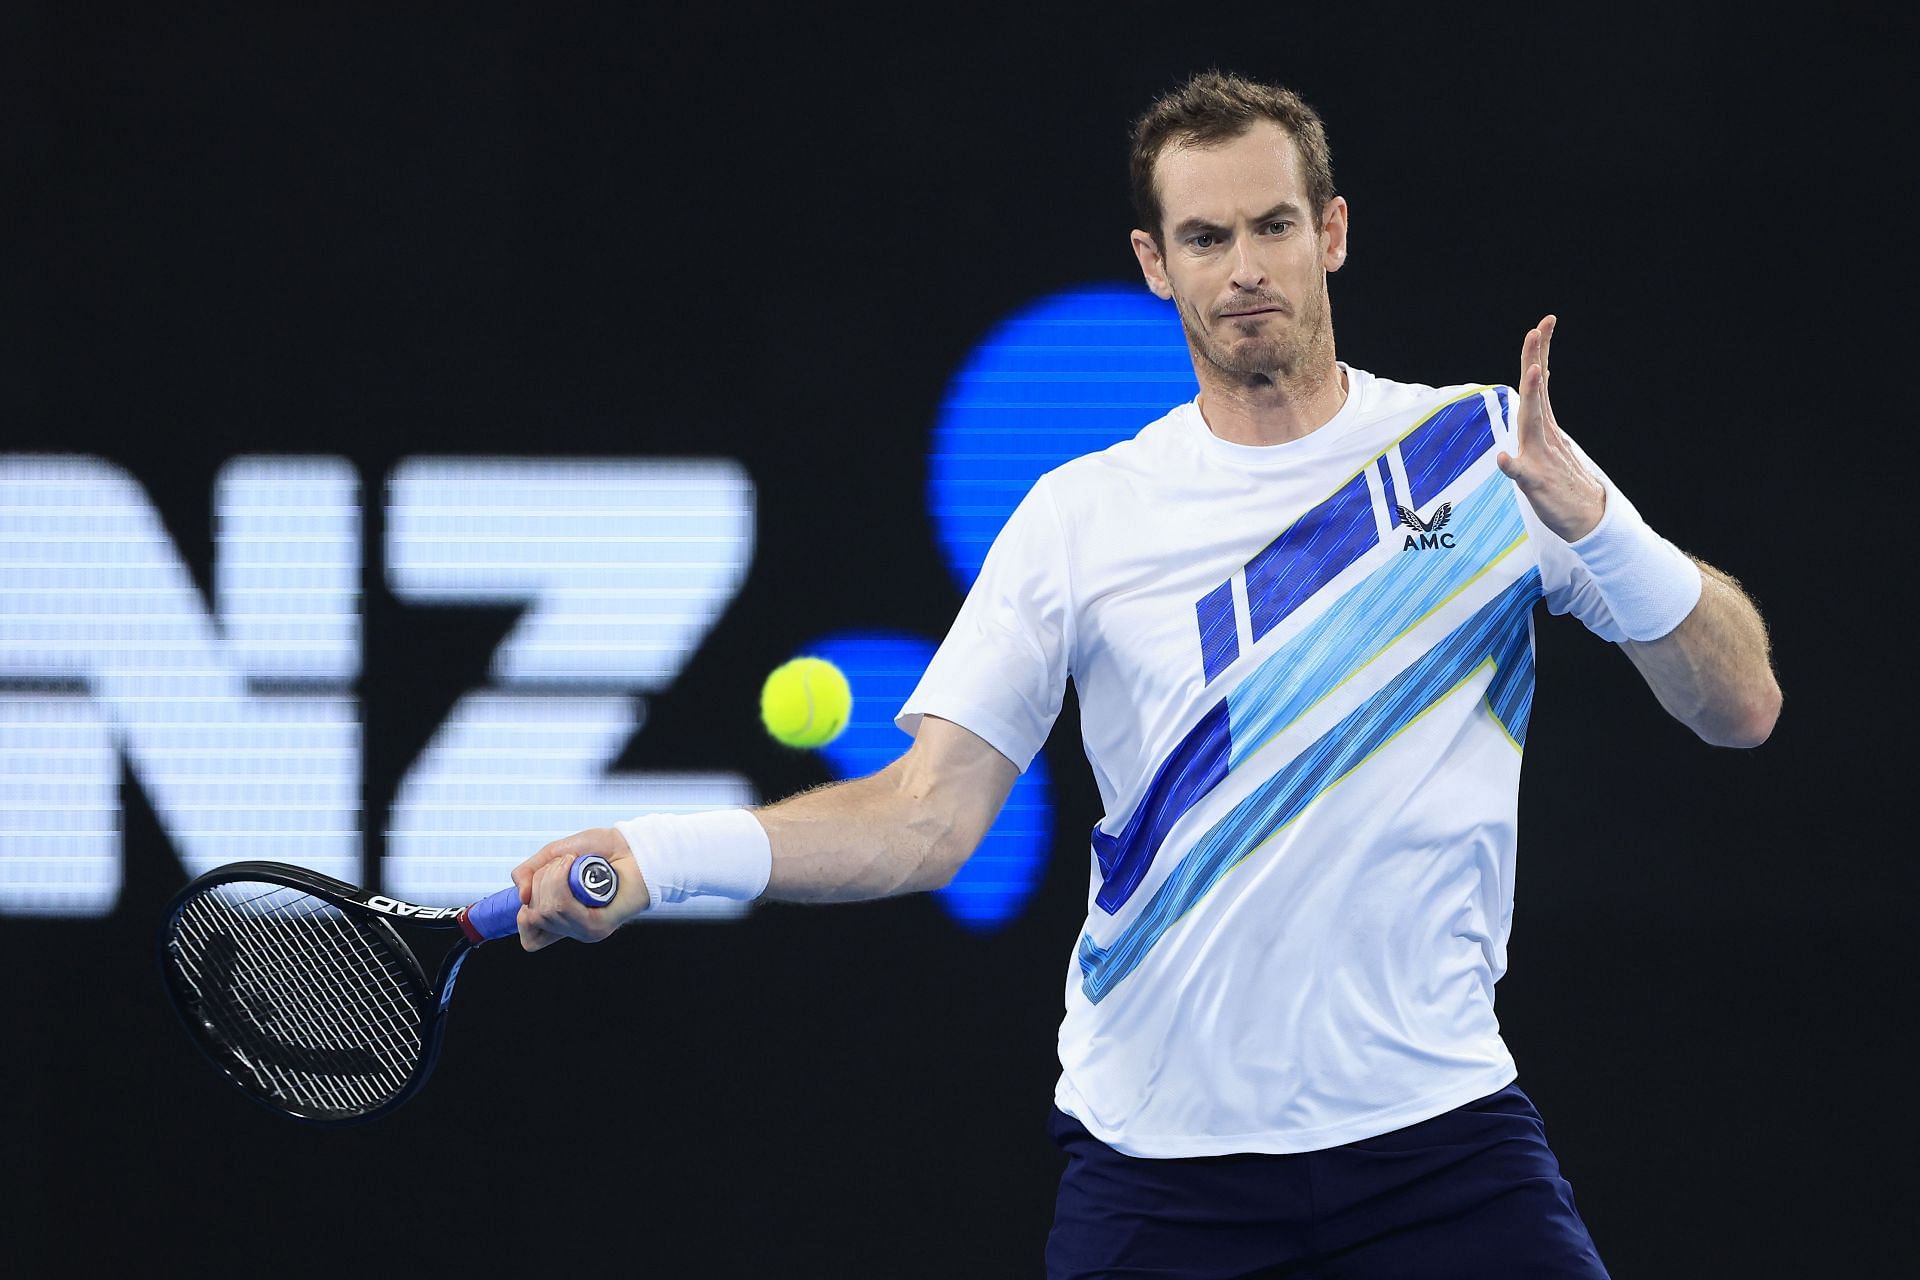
1255	311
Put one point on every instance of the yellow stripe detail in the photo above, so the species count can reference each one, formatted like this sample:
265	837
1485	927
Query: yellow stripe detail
1493	715
1477	391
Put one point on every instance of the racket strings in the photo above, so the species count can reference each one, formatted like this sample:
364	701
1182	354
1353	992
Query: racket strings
312	1029
295	1048
315	1006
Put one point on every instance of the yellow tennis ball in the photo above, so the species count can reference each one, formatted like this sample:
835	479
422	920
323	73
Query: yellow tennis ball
806	702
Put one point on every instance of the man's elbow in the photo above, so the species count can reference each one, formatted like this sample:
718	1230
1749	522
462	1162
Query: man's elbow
947	801
945	859
941	842
1753	726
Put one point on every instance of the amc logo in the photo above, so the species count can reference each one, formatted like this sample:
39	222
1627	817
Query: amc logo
1429	538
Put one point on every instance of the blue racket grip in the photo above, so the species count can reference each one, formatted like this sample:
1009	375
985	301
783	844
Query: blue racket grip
592	879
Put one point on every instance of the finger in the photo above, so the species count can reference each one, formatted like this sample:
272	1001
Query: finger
1532	355
549	885
1530	413
561	914
546	915
524	873
1522	469
1547	327
567	847
1529	353
580	843
523	879
532	936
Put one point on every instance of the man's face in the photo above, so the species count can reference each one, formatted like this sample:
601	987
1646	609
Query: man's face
1239	255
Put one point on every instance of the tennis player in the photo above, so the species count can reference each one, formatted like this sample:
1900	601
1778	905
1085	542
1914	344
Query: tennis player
1298	611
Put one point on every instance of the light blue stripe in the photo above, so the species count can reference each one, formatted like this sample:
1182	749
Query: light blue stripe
1282	798
1363	622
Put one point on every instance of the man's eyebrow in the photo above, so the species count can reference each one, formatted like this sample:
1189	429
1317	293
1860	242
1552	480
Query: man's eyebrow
1285	209
1195	226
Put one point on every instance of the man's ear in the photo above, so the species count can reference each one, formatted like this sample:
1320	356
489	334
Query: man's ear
1334	228
1152	266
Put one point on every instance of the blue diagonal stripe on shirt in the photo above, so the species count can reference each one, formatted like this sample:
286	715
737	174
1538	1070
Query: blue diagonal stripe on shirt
1309	554
1490	633
1510	696
1195	768
1439	450
1219	635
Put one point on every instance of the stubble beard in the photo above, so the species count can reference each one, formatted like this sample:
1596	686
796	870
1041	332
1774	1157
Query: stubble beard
1279	358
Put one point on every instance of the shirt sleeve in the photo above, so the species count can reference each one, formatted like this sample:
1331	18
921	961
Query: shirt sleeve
1002	670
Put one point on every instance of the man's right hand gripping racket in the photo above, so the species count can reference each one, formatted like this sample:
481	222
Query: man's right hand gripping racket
300	989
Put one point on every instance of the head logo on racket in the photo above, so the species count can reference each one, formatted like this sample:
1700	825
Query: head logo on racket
594	879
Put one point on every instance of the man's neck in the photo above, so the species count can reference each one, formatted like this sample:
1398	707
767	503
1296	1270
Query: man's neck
1271	410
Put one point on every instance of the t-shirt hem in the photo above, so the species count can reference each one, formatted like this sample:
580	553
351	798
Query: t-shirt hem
1298	1141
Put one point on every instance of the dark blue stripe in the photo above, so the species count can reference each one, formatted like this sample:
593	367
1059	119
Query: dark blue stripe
1386	487
1500	394
1510	693
1195	768
1440	449
1219	638
1309	554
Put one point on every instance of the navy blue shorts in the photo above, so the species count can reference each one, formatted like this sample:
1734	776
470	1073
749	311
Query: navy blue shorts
1474	1193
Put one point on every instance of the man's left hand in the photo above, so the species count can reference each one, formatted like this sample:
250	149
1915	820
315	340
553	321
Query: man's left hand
1567	497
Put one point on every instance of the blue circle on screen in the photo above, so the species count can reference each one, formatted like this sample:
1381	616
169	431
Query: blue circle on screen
1070	374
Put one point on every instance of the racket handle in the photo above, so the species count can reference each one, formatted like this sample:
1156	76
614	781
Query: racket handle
592	879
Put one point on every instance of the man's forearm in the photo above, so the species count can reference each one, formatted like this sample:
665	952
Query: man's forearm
1713	672
870	837
905	829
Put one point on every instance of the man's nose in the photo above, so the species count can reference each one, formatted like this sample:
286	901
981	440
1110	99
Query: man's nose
1248	274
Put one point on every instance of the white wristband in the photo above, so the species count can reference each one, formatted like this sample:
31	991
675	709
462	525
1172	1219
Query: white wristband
722	853
1649	584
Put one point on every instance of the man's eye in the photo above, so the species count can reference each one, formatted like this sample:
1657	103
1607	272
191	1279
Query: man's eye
1205	240
1278	227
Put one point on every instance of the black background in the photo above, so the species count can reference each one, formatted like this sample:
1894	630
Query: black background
475	229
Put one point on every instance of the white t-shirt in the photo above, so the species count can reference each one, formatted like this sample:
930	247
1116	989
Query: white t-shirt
1305	715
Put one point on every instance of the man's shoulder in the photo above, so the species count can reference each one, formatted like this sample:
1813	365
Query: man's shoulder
1150	451
1388	399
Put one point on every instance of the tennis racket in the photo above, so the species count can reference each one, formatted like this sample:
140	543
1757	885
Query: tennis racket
298	987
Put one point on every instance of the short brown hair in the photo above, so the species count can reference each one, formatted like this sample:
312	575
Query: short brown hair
1215	107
